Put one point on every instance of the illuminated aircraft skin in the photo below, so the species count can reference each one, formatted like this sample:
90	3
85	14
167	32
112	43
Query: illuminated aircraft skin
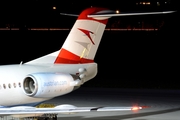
23	86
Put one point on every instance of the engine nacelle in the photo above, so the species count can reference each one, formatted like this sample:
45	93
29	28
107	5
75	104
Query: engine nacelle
48	85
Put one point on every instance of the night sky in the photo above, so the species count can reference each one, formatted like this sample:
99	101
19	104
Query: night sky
129	60
33	13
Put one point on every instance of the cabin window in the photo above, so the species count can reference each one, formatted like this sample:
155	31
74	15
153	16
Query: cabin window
4	86
9	85
14	84
19	84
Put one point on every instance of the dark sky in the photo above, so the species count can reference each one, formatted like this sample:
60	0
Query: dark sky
24	10
130	59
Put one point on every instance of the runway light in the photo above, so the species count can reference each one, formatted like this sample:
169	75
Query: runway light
117	11
148	3
54	8
158	3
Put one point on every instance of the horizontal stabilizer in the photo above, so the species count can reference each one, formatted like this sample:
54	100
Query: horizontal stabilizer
69	14
127	14
110	13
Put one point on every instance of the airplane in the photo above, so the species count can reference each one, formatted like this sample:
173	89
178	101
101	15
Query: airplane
24	86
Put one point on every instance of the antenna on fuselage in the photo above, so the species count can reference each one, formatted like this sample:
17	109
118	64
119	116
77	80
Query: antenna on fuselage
21	63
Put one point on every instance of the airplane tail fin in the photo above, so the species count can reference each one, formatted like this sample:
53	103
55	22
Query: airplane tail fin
84	38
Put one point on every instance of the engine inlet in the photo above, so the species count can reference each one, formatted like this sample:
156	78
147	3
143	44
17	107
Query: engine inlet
29	85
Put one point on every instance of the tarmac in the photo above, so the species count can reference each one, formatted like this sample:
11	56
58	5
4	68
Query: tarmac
163	104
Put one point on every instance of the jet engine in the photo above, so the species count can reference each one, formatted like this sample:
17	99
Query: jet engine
48	85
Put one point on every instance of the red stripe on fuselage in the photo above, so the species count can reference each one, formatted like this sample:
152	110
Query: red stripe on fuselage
70	58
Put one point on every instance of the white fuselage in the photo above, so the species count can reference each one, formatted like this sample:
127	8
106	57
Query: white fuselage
12	76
